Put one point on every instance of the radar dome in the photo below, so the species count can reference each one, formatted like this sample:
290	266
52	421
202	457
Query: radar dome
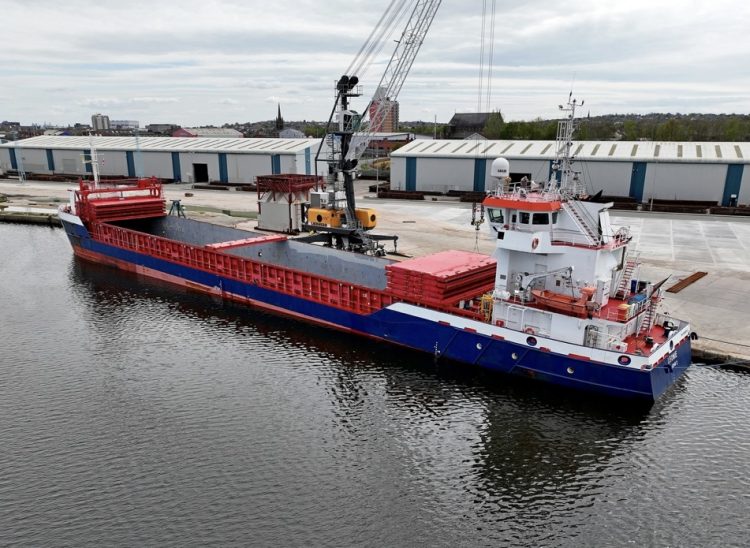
500	168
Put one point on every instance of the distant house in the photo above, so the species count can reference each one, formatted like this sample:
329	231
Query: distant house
290	133
162	129
124	124
464	124
214	132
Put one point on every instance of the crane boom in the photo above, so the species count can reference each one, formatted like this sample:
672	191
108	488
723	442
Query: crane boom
347	139
407	48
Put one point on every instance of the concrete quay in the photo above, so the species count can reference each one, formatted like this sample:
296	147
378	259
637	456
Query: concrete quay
674	245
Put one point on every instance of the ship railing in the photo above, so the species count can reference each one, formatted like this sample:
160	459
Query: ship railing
622	315
150	184
621	237
605	341
332	292
118	188
571	237
614	315
532	195
661	319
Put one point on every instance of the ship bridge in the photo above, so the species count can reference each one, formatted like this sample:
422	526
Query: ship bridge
549	217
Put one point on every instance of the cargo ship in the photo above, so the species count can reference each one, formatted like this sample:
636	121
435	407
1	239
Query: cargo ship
560	299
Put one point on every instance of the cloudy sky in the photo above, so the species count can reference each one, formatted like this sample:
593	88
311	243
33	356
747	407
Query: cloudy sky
214	61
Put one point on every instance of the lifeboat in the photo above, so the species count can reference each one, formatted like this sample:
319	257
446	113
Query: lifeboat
567	304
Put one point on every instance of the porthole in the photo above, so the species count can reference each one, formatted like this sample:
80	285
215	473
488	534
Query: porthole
479	346
514	356
570	370
623	360
531	341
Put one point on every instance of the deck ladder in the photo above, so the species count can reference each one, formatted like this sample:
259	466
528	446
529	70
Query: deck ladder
583	220
648	318
626	276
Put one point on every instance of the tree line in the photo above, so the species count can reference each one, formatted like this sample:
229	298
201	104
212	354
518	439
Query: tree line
633	127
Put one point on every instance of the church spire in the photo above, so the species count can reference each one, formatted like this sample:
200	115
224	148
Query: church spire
279	120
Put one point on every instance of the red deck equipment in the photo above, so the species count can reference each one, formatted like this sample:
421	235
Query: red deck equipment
287	184
442	279
120	201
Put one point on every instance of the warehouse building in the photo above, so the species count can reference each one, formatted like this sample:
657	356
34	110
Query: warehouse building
189	160
711	172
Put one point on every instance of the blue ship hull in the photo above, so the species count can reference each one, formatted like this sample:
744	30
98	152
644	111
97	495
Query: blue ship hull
443	341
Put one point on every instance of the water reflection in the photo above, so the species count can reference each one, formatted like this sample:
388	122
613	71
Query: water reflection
137	413
504	442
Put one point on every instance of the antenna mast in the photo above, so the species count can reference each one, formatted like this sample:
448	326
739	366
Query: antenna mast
564	178
94	161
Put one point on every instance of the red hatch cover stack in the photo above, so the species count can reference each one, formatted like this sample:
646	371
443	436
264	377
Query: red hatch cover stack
120	200
442	279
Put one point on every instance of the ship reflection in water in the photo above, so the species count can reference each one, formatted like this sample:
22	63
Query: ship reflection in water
148	415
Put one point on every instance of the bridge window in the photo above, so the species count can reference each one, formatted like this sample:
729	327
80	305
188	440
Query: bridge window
554	217
496	215
540	219
525	217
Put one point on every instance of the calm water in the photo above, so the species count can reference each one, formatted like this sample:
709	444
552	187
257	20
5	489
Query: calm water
135	414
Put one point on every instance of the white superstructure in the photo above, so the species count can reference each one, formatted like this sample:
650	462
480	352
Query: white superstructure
563	270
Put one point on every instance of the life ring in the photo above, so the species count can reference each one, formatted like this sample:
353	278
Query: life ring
529	331
534	243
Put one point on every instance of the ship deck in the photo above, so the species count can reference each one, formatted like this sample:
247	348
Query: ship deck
445	280
640	345
341	265
643	344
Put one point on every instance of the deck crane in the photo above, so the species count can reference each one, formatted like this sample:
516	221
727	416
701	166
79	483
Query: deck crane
348	133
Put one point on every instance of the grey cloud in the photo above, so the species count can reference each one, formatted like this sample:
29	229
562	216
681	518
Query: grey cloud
189	60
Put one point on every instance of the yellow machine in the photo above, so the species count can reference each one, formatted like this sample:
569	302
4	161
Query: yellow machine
366	217
334	218
326	217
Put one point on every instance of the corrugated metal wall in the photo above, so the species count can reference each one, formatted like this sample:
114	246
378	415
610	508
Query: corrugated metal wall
638	179
225	167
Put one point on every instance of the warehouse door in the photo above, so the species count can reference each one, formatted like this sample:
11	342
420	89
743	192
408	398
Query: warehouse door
176	171
223	171
480	174
131	163
732	185
275	164
638	181
87	161
200	173
411	174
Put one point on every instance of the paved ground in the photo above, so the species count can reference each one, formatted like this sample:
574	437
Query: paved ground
675	245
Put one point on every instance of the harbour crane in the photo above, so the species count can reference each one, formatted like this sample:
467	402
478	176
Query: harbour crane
348	133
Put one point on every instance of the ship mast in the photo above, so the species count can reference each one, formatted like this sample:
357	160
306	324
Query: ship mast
94	161
564	178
